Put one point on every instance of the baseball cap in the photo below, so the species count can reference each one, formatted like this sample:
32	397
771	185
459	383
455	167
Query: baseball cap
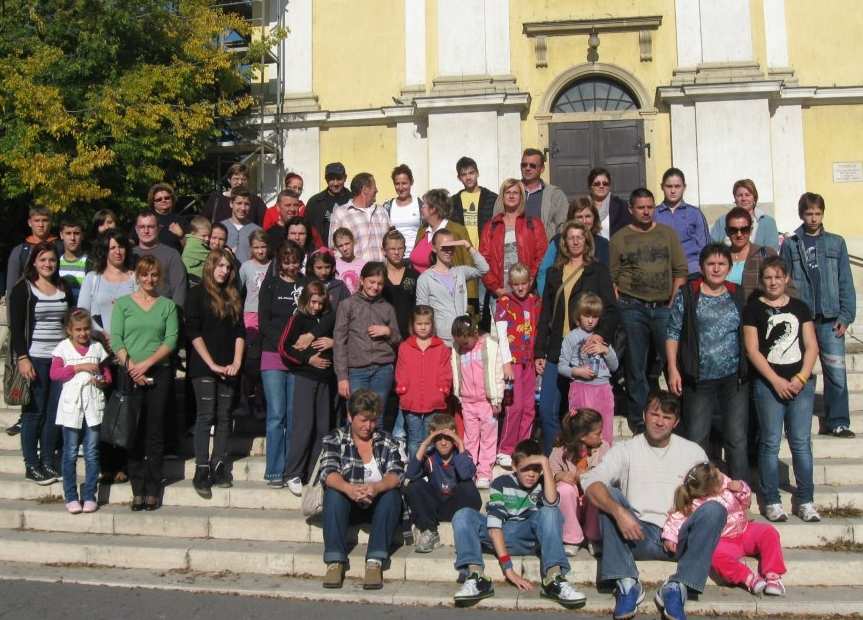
335	169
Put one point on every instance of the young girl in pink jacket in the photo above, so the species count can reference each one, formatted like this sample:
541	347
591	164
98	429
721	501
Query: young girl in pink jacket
741	537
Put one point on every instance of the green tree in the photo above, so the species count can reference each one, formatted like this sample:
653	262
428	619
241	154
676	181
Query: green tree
101	98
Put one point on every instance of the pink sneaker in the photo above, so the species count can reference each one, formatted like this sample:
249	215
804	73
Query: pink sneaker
90	506
74	507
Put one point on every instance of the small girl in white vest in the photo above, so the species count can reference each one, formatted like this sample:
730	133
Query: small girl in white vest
80	364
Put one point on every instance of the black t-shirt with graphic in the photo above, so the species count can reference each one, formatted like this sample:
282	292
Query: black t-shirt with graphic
780	333
810	243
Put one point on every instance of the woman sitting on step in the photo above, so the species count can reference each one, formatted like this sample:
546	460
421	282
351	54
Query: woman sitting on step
361	470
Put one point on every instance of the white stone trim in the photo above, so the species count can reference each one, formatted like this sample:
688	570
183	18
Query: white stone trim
726	30
776	34
645	100
688	20
772	89
461	34
497	49
297	48
684	148
415	43
789	164
412	149
302	154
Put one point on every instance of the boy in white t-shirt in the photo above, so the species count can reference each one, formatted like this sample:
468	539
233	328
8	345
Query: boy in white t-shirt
633	487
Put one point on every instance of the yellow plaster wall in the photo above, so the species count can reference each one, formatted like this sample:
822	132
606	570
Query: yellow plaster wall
359	58
362	149
833	134
619	49
825	42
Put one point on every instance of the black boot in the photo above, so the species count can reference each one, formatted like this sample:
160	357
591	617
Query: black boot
221	476
202	482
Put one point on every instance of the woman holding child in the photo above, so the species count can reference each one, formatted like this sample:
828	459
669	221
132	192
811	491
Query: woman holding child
575	272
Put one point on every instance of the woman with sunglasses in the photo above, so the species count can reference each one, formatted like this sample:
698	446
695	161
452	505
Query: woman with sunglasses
613	211
763	227
161	200
746	256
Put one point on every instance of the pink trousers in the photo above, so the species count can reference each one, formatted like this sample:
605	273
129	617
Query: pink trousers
518	417
599	397
480	435
759	540
580	516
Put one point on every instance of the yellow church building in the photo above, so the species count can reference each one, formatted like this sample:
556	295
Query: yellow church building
770	90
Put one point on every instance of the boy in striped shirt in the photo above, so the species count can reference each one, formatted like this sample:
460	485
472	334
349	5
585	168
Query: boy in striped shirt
73	261
523	518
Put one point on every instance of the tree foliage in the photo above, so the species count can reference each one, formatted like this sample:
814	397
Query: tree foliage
101	98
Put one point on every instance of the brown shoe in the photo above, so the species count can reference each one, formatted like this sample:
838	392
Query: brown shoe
335	575
374	579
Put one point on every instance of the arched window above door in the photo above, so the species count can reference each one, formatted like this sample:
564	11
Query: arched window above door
595	94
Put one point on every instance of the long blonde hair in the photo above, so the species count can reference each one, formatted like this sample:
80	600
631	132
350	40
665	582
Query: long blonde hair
224	298
703	480
563	254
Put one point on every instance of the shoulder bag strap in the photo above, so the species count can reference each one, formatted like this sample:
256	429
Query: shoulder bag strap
573	277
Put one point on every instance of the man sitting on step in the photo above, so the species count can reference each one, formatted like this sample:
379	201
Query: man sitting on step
633	487
523	518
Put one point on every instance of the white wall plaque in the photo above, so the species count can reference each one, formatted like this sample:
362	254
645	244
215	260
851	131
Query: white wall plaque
848	171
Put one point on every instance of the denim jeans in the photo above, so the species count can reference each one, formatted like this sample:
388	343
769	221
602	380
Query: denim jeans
729	399
553	393
279	392
642	323
695	544
541	532
796	415
832	353
378	378
71	438
416	425
37	418
384	514
399	428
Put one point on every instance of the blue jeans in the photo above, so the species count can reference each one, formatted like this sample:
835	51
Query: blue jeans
378	378
796	415
279	392
642	323
541	532
416	426
553	391
39	434
695	544
384	514
71	438
399	428
832	352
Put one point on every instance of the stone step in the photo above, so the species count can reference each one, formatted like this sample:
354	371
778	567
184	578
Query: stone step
816	601
806	567
290	525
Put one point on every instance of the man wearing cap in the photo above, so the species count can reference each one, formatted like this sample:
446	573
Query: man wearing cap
320	206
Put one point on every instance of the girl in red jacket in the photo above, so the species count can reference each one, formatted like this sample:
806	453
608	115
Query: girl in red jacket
423	376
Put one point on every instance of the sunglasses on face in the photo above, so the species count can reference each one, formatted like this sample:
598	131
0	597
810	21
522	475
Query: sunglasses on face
600	184
531	165
731	230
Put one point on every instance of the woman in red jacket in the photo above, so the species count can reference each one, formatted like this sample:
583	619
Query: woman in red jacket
423	376
511	237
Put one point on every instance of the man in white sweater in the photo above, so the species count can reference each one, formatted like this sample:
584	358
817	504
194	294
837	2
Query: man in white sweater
633	487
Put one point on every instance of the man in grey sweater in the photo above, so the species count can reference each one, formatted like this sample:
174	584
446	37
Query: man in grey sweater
173	284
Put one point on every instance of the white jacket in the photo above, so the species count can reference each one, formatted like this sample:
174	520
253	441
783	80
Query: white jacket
493	370
79	398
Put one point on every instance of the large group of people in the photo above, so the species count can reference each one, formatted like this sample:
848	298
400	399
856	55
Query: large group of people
403	354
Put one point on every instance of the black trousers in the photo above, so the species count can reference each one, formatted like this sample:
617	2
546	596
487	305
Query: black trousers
429	507
312	410
146	456
215	403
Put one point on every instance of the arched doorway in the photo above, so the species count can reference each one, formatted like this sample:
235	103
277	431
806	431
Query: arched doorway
595	117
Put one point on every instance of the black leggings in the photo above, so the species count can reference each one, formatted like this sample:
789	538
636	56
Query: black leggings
215	403
312	405
147	453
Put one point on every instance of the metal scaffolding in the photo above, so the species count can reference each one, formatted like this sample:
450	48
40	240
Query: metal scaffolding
255	139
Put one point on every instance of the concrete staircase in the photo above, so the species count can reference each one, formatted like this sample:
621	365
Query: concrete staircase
253	540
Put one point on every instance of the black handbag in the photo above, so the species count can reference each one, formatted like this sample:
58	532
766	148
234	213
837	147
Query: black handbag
16	389
120	422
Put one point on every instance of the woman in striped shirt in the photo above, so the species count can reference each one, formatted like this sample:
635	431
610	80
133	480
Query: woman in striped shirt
37	305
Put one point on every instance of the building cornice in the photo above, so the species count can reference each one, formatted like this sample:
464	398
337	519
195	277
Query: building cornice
586	26
769	89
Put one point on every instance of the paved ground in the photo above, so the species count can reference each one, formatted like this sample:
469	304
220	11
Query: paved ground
49	601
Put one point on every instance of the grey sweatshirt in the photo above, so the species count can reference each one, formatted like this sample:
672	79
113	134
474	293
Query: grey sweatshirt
447	305
572	357
173	285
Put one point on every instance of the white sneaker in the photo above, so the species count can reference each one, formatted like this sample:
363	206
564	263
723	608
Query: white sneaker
504	460
483	483
775	512
295	486
774	587
570	550
808	513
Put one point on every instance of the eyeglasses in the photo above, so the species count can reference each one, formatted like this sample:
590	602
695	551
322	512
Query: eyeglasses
162	199
732	230
600	184
529	164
